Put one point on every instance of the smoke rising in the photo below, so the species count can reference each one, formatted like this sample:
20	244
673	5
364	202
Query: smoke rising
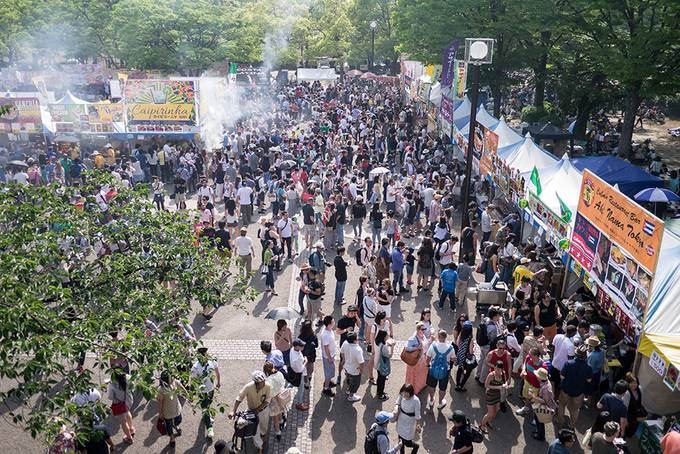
276	41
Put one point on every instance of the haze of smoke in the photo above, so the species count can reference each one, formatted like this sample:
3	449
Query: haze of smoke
287	13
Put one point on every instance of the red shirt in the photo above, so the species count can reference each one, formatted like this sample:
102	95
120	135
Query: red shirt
505	359
531	367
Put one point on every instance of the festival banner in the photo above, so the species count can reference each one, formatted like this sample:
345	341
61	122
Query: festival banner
101	116
556	229
446	109
24	115
618	243
69	118
460	79
448	63
488	151
161	106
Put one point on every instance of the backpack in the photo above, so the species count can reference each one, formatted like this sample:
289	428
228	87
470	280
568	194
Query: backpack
371	440
477	434
439	369
358	257
494	342
482	336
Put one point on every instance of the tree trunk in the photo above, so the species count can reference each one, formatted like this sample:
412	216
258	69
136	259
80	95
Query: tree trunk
582	115
633	100
540	73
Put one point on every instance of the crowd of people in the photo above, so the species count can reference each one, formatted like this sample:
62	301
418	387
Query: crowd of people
323	159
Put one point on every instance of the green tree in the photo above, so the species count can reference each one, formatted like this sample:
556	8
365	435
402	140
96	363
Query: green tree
637	44
362	13
70	276
18	20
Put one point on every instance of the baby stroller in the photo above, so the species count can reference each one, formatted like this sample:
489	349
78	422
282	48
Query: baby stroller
245	426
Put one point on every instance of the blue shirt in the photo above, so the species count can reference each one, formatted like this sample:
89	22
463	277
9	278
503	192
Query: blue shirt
276	358
449	278
556	447
596	361
575	372
397	260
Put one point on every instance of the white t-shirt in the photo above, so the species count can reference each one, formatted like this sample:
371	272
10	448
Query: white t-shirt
428	196
21	178
406	425
327	339
391	193
441	348
486	221
297	362
284	226
445	256
206	371
354	357
243	194
564	348
243	245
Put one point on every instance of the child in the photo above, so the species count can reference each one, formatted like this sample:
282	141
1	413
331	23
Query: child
410	260
295	230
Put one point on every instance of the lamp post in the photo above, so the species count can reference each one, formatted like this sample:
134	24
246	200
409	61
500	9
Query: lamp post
478	52
373	25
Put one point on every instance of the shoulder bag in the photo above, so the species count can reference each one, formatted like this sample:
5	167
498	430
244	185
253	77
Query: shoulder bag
411	358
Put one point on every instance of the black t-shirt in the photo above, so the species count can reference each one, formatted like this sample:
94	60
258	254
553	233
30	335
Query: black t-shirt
376	219
340	268
359	211
313	285
344	323
222	239
219	175
230	205
340	213
308	214
463	438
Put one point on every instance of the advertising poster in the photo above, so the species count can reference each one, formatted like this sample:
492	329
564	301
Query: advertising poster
449	63
161	106
446	109
460	79
69	117
101	116
557	228
24	116
671	377
489	150
657	363
628	241
583	242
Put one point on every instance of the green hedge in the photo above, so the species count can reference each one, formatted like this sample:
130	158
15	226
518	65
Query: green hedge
530	114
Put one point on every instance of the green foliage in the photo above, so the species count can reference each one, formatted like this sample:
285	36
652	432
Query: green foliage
62	298
531	114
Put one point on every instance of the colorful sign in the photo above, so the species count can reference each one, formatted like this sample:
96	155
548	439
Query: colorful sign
448	63
489	150
583	242
657	363
556	228
617	242
635	230
460	79
24	115
671	377
161	105
446	109
69	118
102	116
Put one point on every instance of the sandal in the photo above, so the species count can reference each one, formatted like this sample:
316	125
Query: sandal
127	440
372	381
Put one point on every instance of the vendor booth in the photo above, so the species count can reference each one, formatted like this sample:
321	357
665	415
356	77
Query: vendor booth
629	178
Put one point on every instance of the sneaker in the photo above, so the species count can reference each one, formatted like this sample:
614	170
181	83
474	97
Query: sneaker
442	404
522	411
354	398
383	397
332	384
328	392
211	433
430	402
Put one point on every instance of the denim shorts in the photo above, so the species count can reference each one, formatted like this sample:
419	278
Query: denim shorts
328	368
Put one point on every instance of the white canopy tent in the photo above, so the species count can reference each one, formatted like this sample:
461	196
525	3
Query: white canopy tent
529	155
506	135
463	110
484	118
69	98
561	180
320	74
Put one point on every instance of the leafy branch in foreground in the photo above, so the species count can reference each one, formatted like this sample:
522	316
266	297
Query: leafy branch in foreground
73	271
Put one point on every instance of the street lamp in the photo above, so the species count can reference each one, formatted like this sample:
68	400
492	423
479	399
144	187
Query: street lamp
478	52
373	25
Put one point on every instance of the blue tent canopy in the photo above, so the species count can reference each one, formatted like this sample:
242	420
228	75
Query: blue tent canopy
630	178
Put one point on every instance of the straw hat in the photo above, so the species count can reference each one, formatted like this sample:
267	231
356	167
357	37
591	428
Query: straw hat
541	374
593	341
305	267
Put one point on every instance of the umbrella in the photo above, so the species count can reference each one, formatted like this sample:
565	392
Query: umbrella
379	171
354	73
18	164
368	75
285	313
657	195
288	164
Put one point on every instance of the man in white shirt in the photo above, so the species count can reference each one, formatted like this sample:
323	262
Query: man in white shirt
428	195
244	250
285	229
327	340
245	199
353	357
391	196
206	192
564	349
297	372
21	177
203	370
439	354
486	223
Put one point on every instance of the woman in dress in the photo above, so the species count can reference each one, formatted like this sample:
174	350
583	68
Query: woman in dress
169	406
281	397
462	318
491	258
417	374
380	324
633	400
407	414
386	298
494	383
121	402
465	355
546	314
426	318
425	263
545	397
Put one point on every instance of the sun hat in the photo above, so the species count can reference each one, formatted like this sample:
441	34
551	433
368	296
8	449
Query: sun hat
541	374
593	341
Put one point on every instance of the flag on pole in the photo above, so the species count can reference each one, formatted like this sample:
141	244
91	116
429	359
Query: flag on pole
536	180
233	68
565	212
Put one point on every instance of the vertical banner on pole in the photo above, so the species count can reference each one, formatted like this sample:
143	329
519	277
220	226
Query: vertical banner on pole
448	63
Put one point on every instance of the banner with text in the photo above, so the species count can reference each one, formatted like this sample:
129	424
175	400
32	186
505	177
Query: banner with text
24	115
460	79
449	63
102	116
617	242
161	106
69	118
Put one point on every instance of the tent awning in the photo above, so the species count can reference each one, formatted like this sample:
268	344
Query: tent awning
630	178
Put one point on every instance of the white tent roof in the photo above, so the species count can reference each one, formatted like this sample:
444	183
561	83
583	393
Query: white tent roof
506	135
529	155
484	118
561	179
463	110
316	74
436	94
69	98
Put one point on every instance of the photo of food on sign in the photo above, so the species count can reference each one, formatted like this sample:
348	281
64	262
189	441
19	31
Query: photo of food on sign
644	280
628	290
617	256
614	277
639	304
632	270
602	257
